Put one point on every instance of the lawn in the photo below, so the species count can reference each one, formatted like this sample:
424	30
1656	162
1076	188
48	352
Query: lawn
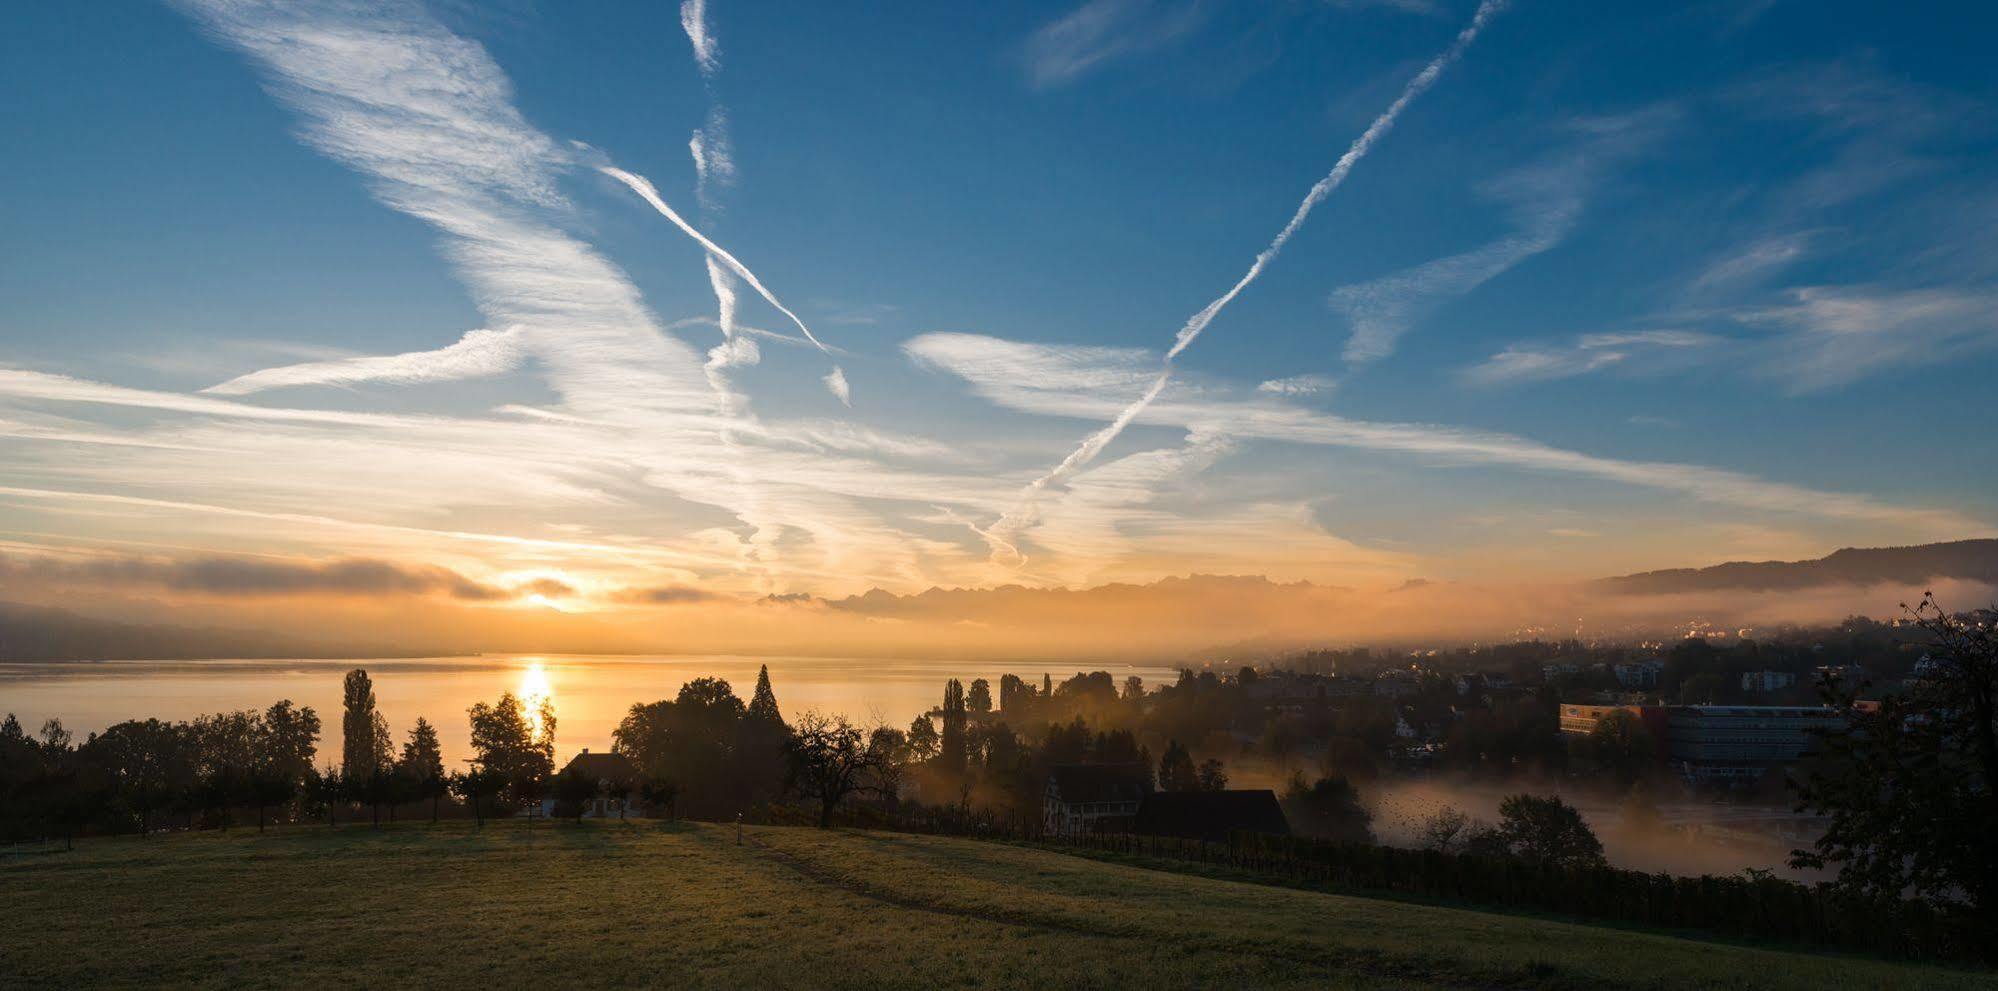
648	903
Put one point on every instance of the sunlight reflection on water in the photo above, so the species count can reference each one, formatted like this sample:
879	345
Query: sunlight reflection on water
591	693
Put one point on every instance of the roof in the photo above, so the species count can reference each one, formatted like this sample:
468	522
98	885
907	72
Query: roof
1210	815
604	766
1079	783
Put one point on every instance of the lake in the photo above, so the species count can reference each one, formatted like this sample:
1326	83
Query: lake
591	693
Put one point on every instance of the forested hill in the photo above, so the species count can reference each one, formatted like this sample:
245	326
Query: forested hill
34	633
1970	560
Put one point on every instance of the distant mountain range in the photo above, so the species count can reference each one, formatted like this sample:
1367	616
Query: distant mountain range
36	633
1967	560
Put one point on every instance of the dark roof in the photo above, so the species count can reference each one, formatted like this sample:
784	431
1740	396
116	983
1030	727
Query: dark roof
604	767
1210	815
1078	783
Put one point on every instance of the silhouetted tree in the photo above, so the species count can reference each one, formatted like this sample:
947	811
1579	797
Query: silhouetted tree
1547	831
475	786
148	763
618	790
660	793
363	749
1176	770
1329	808
505	742
979	697
763	702
923	742
1134	688
1621	745
830	759
1911	782
1444	830
422	764
1211	775
575	788
952	749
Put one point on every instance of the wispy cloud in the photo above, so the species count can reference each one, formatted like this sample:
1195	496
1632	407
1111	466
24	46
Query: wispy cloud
1100	32
1763	256
1544	201
1522	363
1003	533
694	21
1833	336
478	354
1299	385
991	365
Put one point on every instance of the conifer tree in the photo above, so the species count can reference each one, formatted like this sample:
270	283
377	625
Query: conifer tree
763	704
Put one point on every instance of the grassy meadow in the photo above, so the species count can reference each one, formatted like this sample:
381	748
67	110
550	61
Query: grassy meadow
680	904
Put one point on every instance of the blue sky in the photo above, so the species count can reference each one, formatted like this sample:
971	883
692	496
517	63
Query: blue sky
1625	287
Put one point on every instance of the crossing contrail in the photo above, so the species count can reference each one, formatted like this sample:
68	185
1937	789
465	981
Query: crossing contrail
643	187
1002	534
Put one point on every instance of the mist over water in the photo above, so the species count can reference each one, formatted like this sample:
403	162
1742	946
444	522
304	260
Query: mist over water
1688	836
591	693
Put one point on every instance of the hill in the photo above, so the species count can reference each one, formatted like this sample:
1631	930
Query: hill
1969	560
607	904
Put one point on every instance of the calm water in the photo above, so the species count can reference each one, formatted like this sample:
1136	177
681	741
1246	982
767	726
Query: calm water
591	693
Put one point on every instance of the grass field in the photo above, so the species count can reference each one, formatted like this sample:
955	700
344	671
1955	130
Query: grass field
647	903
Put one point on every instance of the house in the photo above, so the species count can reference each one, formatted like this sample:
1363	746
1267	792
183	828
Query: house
1087	798
608	769
1210	815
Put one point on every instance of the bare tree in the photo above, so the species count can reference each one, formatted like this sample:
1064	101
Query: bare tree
829	759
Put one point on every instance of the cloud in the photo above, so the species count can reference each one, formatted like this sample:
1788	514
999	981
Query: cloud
1001	533
478	354
1544	201
835	381
665	595
993	366
714	159
1759	257
1299	385
694	21
1831	336
253	577
1099	32
1522	363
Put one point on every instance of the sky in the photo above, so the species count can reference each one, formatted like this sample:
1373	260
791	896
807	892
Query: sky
604	308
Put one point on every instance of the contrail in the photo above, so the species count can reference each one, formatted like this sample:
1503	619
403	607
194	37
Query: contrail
640	185
1001	533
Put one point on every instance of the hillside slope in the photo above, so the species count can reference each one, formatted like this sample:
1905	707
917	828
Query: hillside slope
1970	560
609	904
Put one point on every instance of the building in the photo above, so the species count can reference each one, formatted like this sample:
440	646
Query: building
1742	742
1091	798
1578	719
1638	674
1210	815
609	769
1766	681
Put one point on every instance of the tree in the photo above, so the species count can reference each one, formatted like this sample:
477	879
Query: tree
325	790
1548	831
422	764
1176	770
1620	744
1134	688
618	790
1329	808
475	786
574	789
283	740
763	703
923	743
979	698
952	753
363	735
506	743
1444	829
1211	776
660	793
148	764
830	759
1910	783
